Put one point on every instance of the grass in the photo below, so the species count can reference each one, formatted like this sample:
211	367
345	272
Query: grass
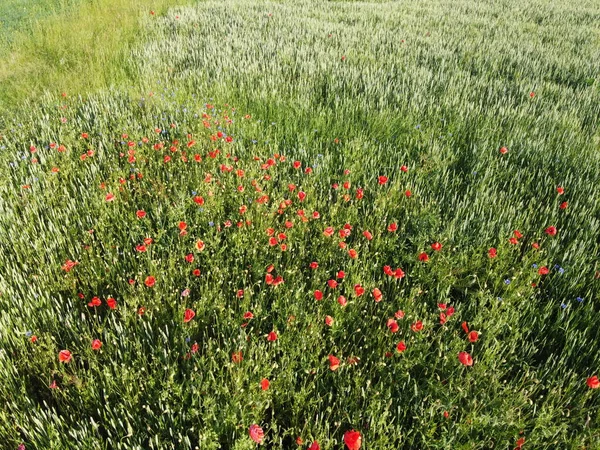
353	91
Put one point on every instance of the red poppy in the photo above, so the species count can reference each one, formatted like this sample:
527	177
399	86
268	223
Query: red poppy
328	231
313	265
342	300
150	281
199	200
141	214
256	433
68	265
33	339
400	347
341	274
503	150
423	257
196	272
332	284
417	326
367	235
377	295
465	359
200	245
140	248
301	196
564	205
382	179
352	253
535	245
334	363
465	327
64	356
318	295
550	231
560	190
94	302
404	169
399	314
329	321
436	246
392	227
272	336
237	357
264	384
593	382
543	270
399	273
473	336
492	252
189	258
517	234
111	303
314	446
392	325
359	290
188	315
513	241
519	444
352	439
96	344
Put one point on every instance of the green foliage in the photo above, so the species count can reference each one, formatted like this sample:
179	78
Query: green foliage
438	87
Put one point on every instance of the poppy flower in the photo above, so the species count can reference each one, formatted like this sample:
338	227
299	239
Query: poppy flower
359	290
473	336
377	295
535	245
367	235
352	439
329	321
237	357
503	150
94	302
96	344
404	169
392	325
199	245
256	433
150	281
543	270
272	336
264	384
196	272
341	274
465	359
332	284
334	363
400	347
313	265
519	444
465	327
382	179
33	339
417	326
423	257
188	315
517	234
301	196
140	248
140	214
492	252
314	446
328	232
352	253
564	205
550	231
392	227
593	382
399	273
560	190
189	258
318	295
436	246
513	241
64	356
399	314
342	300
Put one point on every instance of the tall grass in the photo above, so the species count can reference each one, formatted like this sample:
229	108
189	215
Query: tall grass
354	91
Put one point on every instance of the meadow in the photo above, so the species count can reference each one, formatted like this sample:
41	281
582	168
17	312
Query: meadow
296	224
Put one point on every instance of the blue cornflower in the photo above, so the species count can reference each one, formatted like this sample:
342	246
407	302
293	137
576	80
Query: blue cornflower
211	224
561	270
188	339
507	281
563	306
579	299
534	266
